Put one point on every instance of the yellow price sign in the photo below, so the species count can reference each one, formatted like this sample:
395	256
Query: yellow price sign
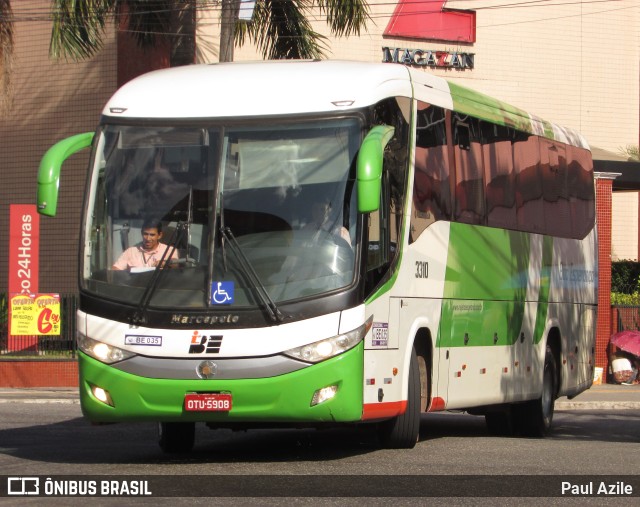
36	314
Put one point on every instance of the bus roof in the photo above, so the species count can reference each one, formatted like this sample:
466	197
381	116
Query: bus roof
257	89
286	87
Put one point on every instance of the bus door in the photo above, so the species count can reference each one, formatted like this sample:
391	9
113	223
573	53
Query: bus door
410	318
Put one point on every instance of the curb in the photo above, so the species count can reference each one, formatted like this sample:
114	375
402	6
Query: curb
70	397
597	405
41	401
64	396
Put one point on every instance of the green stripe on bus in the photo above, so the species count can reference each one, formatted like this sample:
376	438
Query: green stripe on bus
487	108
485	286
545	284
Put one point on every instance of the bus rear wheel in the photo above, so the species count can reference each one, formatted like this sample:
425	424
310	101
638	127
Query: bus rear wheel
534	417
402	432
176	437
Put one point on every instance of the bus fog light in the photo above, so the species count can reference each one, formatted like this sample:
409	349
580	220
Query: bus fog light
101	395
324	394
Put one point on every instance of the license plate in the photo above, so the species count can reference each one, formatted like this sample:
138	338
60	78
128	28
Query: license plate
207	402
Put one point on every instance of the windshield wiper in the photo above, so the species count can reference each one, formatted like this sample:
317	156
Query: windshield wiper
245	265
139	316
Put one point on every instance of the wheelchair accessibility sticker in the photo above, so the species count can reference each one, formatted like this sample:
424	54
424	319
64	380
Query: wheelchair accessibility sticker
222	293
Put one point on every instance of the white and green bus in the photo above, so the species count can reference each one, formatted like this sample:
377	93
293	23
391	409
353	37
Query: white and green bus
347	243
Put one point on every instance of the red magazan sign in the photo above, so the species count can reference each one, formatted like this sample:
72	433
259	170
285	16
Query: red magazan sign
430	20
24	248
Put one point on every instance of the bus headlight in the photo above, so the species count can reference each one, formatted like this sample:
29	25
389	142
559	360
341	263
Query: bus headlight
329	347
103	352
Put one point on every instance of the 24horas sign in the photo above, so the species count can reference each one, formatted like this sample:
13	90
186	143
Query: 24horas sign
30	313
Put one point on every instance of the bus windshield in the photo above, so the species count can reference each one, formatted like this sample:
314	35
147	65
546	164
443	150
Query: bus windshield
238	211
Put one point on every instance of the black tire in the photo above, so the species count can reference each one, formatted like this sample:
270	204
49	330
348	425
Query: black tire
534	417
402	432
176	437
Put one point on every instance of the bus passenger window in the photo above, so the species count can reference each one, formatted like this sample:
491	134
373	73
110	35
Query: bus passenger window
529	199
581	191
553	165
497	154
469	172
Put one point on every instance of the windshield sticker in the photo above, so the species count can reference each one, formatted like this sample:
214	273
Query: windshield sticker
222	293
136	339
380	334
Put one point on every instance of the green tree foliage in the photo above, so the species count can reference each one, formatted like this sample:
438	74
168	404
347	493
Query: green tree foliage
631	152
78	25
625	289
279	28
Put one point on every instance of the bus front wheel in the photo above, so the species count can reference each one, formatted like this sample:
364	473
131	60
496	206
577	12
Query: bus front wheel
176	437
402	431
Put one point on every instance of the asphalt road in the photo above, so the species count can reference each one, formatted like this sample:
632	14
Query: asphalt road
43	435
51	439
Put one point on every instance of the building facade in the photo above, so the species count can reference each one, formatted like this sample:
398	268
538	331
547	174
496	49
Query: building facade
624	230
49	100
573	63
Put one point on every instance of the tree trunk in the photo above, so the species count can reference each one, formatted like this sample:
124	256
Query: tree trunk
183	30
228	17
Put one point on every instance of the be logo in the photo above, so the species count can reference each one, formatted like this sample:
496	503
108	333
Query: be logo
205	344
429	20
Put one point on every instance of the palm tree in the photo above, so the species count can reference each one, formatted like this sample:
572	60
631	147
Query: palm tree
6	53
78	26
631	151
279	28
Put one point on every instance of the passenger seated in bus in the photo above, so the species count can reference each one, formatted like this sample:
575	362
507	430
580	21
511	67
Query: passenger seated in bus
147	253
322	220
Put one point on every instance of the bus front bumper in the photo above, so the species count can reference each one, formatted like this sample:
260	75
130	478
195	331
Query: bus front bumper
281	399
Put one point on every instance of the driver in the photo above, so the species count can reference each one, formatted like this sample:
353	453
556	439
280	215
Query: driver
146	254
321	221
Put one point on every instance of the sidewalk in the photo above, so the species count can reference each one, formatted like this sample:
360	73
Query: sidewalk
599	397
65	395
603	397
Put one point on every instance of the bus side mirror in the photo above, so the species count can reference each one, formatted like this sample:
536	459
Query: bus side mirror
369	167
49	170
